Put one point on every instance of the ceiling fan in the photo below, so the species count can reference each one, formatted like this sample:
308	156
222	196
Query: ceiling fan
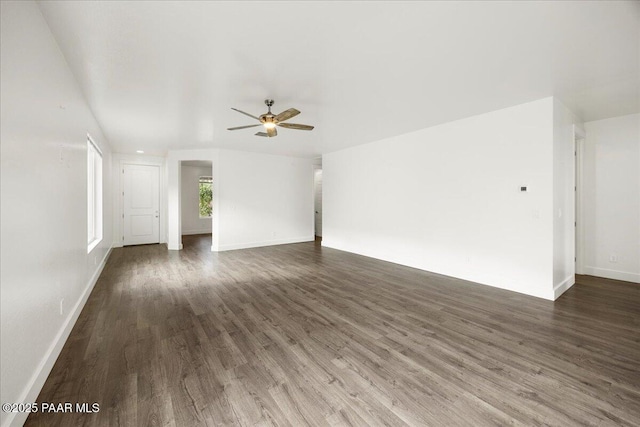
270	120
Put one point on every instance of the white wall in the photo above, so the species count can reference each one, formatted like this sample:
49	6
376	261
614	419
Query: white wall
263	199
45	121
190	199
563	198
259	199
611	198
446	199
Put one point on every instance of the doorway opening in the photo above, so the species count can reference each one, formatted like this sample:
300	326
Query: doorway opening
196	200
317	201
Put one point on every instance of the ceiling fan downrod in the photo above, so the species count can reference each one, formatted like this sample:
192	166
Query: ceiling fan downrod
269	103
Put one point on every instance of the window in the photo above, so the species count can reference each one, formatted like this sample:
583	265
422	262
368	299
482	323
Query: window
94	195
205	189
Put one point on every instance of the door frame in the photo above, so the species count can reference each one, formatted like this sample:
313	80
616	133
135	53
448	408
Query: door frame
118	199
313	192
122	200
579	137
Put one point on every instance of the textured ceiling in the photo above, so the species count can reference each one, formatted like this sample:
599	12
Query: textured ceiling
163	75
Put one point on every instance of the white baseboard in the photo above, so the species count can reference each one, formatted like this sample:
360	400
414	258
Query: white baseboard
274	242
44	368
612	274
358	250
563	286
192	232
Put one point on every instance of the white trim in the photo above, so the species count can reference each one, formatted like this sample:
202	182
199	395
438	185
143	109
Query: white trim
263	243
93	142
179	248
314	168
579	141
93	245
45	366
95	195
313	197
626	276
563	286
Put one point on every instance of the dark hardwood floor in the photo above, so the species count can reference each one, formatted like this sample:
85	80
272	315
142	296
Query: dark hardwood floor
299	335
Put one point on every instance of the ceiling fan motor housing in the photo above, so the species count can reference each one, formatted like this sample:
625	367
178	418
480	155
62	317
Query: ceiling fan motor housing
268	118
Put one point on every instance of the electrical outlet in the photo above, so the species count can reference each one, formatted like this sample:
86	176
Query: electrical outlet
613	258
61	306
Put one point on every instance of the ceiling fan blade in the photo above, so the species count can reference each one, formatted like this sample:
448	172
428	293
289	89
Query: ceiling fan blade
246	114
286	115
244	127
272	132
295	126
261	134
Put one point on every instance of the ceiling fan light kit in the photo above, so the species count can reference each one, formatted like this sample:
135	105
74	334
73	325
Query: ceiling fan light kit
269	120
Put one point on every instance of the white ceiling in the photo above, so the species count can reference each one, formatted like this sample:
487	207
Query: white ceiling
163	75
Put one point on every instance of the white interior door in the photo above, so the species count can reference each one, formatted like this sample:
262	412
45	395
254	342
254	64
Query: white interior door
318	201
141	203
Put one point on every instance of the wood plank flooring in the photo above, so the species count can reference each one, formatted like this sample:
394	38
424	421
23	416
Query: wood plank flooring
298	335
